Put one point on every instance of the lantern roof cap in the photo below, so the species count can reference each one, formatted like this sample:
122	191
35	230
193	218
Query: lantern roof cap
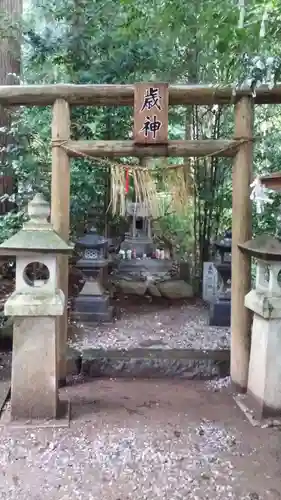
224	244
263	247
92	240
37	234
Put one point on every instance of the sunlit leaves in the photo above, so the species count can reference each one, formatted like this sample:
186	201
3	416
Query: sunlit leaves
123	41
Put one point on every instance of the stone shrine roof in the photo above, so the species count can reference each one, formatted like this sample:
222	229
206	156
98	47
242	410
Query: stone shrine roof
37	235
263	247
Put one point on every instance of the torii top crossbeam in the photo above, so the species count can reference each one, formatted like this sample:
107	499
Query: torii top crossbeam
123	95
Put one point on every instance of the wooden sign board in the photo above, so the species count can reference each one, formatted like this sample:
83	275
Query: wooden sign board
151	104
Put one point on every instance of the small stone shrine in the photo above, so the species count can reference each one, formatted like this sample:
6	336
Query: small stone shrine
138	241
264	380
220	309
93	303
138	256
35	305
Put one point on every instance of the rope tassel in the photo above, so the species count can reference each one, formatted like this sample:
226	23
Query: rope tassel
127	181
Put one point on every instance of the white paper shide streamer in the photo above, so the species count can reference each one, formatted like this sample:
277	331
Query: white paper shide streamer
258	195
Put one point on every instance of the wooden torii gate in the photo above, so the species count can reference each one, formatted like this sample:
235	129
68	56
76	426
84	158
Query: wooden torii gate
61	97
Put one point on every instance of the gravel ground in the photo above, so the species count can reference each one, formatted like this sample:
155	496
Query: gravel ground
218	384
144	440
160	324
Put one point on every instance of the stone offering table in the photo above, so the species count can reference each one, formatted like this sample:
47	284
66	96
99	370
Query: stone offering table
35	305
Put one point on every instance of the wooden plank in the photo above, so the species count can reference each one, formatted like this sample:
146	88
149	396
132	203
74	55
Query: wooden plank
272	181
118	149
150	353
60	207
151	104
123	95
241	317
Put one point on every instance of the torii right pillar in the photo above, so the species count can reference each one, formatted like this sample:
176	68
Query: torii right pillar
241	232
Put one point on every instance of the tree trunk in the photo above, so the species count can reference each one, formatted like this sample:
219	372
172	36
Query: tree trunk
10	55
10	47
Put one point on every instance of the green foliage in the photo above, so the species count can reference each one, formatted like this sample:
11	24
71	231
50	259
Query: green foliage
125	41
176	232
89	43
267	159
10	224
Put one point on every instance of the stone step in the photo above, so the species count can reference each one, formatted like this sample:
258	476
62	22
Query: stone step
150	363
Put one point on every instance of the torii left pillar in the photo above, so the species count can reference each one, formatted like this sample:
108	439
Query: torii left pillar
241	232
60	207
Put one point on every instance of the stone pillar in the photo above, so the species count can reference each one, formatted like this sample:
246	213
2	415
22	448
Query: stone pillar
264	381
34	391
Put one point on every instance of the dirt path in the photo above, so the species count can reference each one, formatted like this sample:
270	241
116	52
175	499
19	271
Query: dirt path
143	440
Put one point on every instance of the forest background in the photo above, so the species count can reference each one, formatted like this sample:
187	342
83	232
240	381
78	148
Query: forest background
125	41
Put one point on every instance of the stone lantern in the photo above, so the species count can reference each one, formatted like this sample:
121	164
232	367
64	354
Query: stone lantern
92	304
264	381
220	309
35	304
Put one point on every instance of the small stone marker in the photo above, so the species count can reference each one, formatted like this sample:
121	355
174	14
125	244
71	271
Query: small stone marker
35	304
210	282
151	105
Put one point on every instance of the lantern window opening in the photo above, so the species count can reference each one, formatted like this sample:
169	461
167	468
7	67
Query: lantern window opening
36	274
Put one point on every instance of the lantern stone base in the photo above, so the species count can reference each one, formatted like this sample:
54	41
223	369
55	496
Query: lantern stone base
92	305
63	419
264	382
220	313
